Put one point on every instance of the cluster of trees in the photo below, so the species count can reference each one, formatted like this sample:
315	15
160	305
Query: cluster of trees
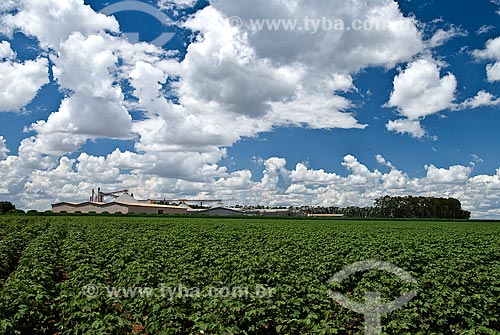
403	207
6	207
420	208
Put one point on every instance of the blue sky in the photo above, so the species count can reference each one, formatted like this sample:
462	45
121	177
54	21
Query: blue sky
235	104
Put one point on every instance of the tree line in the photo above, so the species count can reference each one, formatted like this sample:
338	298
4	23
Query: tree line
403	207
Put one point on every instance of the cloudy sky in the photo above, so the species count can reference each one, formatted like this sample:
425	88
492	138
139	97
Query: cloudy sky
273	102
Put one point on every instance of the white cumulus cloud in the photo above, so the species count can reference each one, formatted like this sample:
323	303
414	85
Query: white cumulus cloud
3	148
485	29
420	91
442	36
53	21
482	99
19	82
492	52
406	126
6	52
176	3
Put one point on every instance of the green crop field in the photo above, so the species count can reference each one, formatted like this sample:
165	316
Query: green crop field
104	275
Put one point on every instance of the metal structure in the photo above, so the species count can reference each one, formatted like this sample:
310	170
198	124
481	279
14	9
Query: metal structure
99	196
185	201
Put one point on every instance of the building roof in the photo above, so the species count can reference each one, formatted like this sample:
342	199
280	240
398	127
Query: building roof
126	198
213	209
108	204
184	205
148	205
81	204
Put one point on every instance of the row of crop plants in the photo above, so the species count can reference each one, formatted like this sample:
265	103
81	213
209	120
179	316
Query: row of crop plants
27	299
86	256
17	237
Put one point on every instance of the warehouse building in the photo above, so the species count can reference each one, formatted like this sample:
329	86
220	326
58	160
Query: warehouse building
116	207
122	202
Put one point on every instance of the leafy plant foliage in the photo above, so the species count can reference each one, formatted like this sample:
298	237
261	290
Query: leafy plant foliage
46	263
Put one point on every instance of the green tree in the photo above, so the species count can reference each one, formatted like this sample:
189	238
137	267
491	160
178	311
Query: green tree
6	207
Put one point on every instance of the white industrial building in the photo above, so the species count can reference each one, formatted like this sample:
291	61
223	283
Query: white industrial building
116	207
123	204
